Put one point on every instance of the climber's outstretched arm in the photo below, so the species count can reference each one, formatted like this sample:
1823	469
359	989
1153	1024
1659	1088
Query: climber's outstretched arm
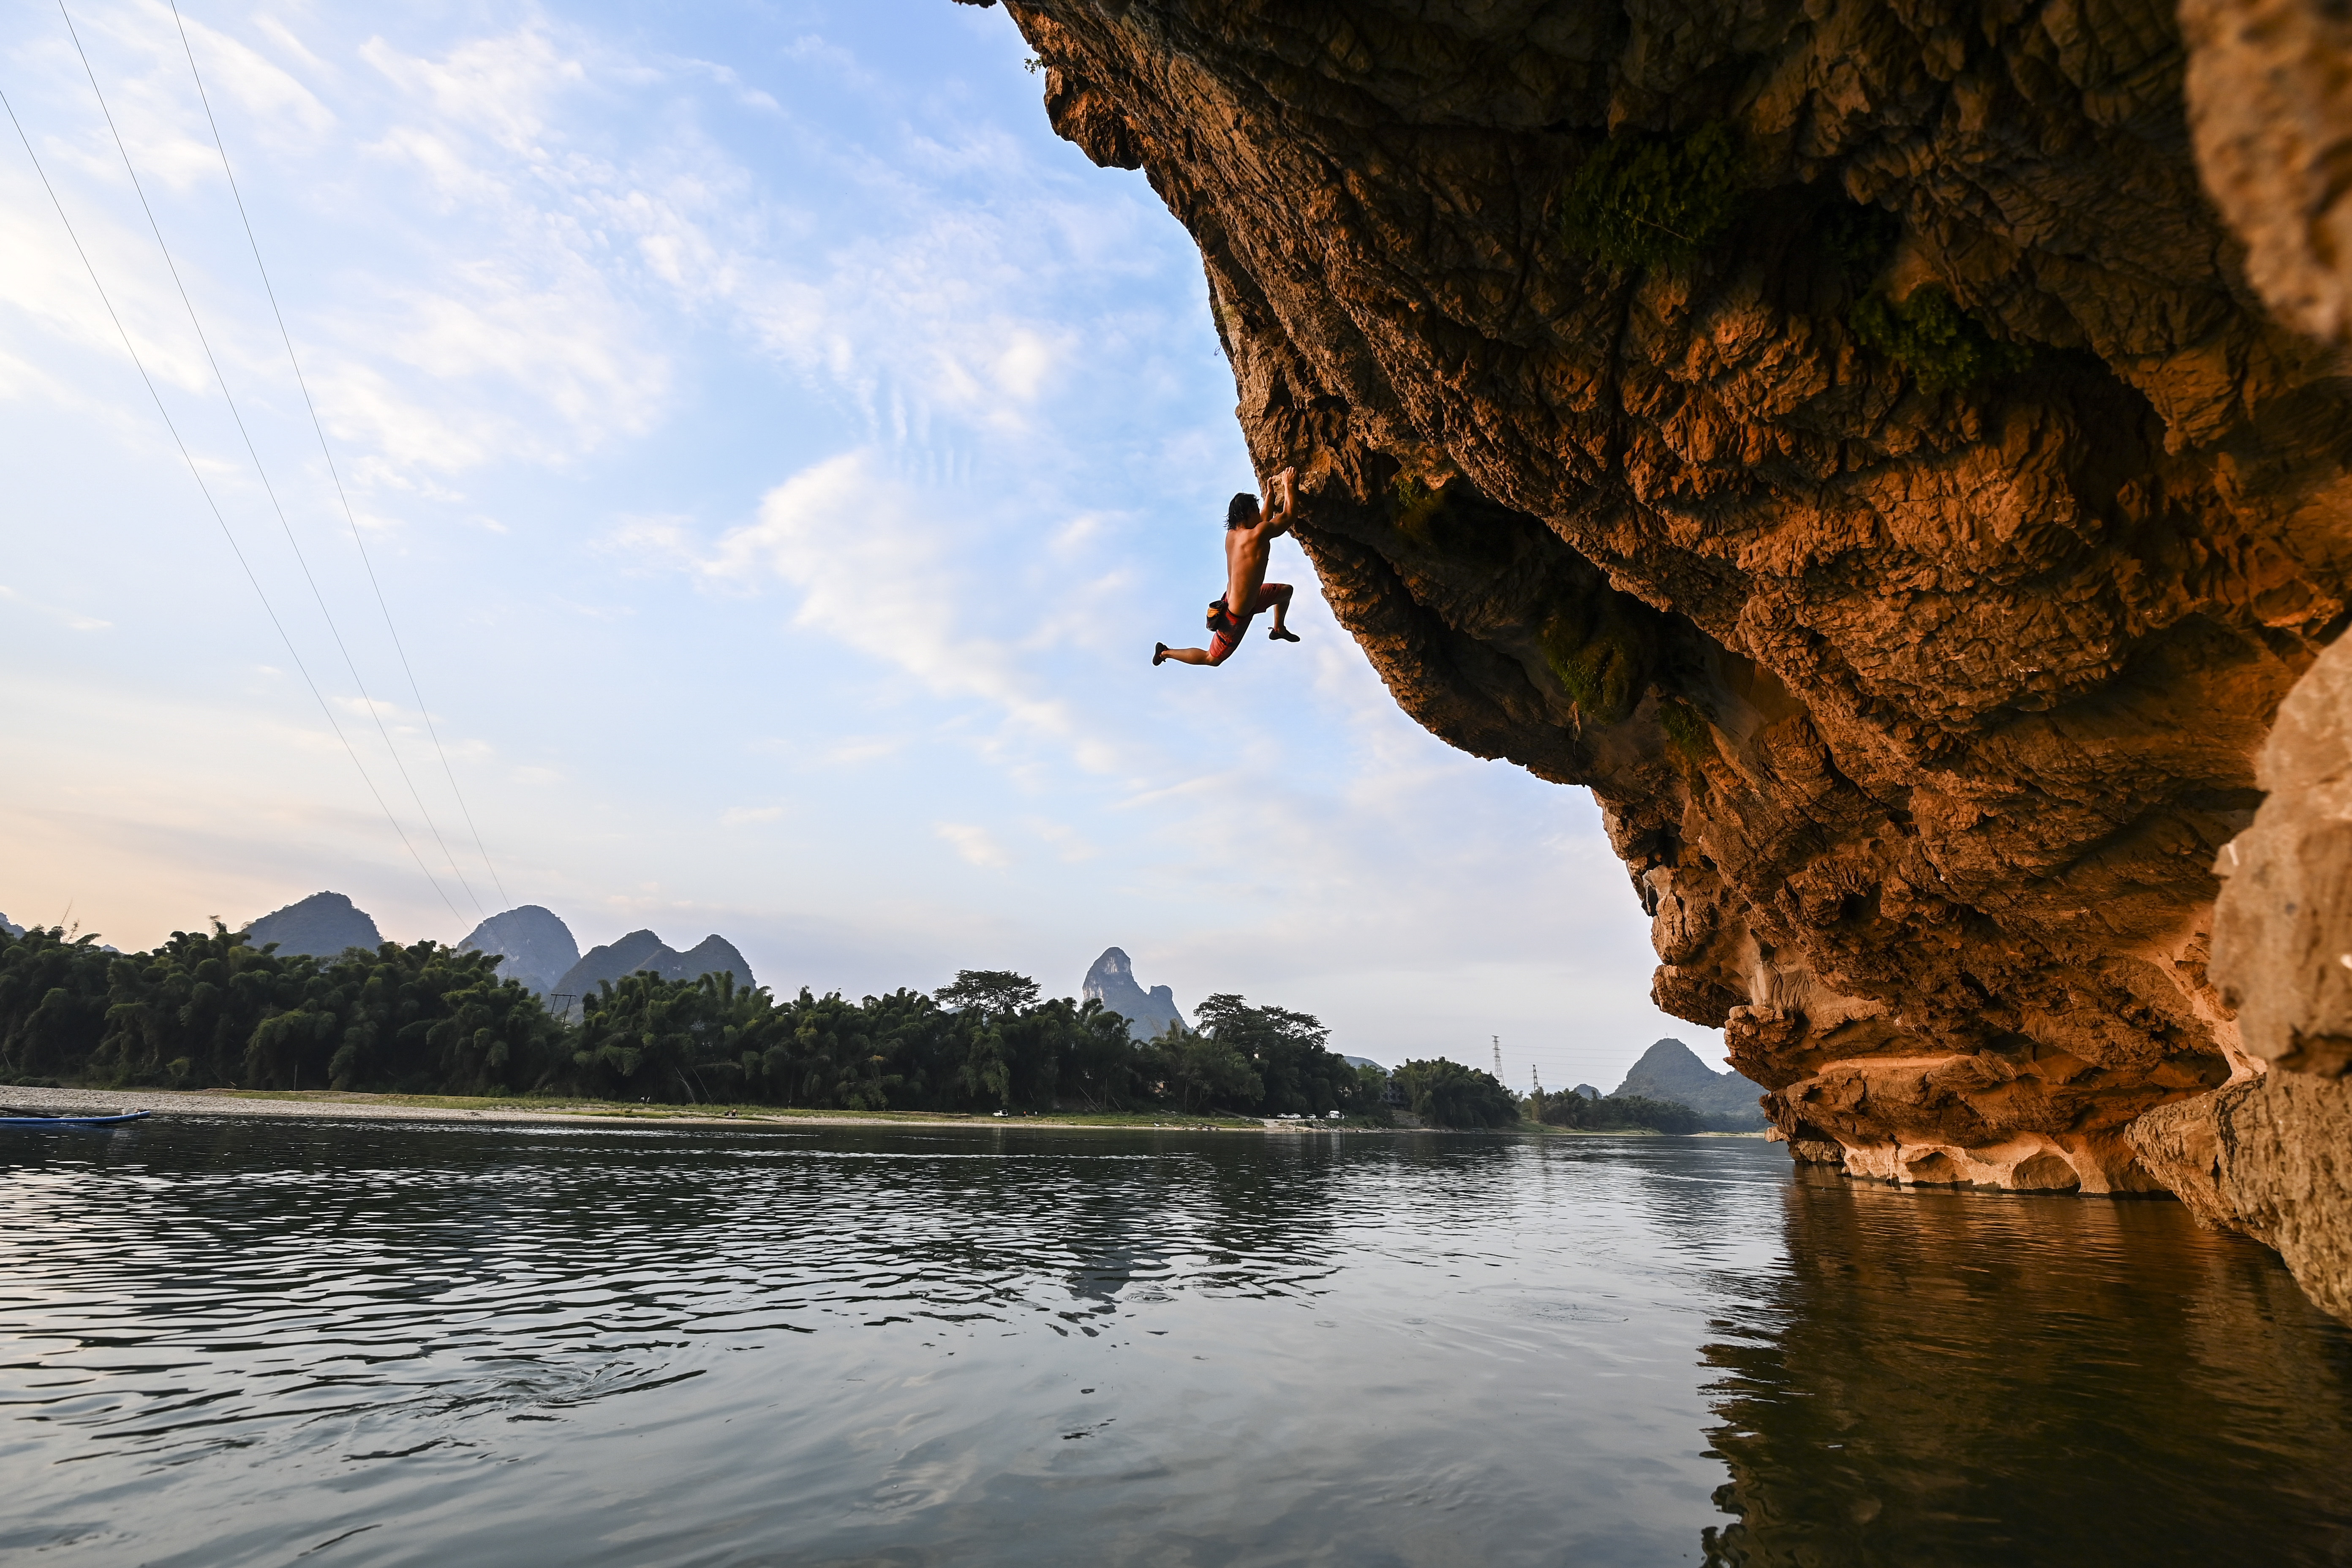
1281	503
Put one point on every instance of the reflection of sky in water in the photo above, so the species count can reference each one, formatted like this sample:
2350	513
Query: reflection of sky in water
523	1345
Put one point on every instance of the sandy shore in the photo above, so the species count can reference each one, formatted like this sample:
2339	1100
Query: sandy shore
601	1113
318	1104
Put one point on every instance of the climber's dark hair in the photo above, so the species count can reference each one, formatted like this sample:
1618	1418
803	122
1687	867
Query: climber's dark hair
1242	511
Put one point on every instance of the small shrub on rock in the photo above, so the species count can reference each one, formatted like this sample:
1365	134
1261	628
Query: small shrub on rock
1641	200
1599	659
1943	347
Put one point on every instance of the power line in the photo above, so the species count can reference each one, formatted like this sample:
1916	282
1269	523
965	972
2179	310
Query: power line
267	488
197	474
320	430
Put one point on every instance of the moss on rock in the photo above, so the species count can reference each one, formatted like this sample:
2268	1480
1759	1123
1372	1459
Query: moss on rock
1687	728
1943	347
1414	507
1601	659
1641	200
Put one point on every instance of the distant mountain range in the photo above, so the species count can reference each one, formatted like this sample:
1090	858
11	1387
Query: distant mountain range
642	950
322	925
538	948
1111	981
1671	1071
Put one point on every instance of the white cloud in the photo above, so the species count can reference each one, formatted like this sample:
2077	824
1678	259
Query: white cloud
72	620
652	541
859	749
503	87
976	844
1068	842
875	569
271	97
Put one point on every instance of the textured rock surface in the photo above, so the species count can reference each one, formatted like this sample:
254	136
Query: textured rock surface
2270	1158
1111	981
2273	1157
323	924
2283	932
2270	97
1918	714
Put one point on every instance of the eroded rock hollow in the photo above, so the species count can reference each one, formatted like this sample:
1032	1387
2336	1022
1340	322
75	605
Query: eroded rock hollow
1842	434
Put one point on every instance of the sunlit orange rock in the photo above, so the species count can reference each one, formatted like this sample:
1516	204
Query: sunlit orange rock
1921	692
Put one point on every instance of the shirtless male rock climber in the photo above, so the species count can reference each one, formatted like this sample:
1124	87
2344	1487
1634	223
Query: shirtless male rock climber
1250	534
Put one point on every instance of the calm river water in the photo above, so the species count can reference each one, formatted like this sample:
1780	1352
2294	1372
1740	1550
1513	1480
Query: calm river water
229	1343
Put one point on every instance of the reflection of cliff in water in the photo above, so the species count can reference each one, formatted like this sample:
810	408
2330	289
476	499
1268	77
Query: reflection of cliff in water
2123	1386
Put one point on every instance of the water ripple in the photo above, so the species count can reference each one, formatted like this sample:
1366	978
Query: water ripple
227	1341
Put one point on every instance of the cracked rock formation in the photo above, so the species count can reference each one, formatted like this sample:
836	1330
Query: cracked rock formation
2272	1156
2269	96
1844	436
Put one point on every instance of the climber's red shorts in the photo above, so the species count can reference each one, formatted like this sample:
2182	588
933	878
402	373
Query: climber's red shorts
1225	631
1226	628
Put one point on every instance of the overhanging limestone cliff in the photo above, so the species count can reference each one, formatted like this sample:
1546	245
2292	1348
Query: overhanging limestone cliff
1841	434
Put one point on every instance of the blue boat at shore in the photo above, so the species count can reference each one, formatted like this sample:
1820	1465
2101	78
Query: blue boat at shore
20	1121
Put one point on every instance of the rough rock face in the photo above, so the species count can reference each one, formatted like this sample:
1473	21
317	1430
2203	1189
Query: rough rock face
1843	436
2270	99
2270	1158
2273	1156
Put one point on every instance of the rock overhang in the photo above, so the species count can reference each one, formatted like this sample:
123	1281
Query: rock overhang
1911	563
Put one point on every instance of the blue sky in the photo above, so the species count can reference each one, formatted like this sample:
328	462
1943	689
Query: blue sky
779	453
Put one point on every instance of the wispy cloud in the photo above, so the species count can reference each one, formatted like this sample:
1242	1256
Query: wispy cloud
73	620
976	844
875	572
860	749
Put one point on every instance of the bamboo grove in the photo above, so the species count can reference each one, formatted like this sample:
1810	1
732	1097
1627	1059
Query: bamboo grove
209	1009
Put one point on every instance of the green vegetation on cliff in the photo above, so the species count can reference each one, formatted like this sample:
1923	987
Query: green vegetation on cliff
1601	658
1943	347
1639	200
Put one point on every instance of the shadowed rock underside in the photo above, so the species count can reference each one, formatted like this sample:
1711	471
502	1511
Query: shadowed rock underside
1920	690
